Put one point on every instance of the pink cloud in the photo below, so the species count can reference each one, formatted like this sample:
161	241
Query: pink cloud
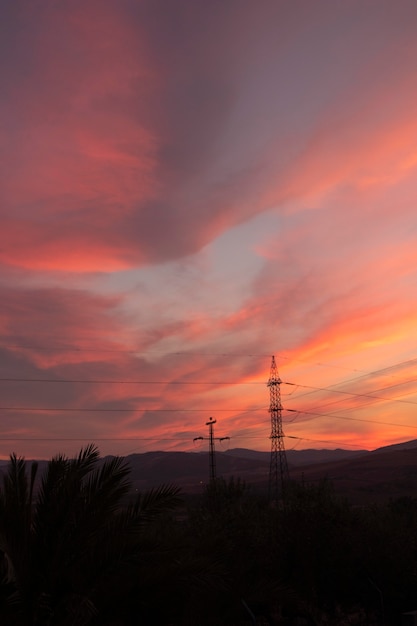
122	132
136	134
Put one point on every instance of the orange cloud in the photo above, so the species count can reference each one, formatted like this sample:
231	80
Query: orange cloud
136	135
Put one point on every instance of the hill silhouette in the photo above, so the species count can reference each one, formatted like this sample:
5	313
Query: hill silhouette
362	476
377	476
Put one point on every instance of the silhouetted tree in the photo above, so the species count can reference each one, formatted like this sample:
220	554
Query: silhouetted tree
67	543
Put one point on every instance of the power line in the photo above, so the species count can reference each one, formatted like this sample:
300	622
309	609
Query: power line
211	410
359	406
352	419
160	439
167	382
111	381
192	410
366	375
358	395
94	439
353	445
97	439
179	439
131	351
124	410
192	353
129	382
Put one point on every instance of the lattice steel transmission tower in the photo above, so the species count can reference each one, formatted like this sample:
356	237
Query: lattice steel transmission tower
278	469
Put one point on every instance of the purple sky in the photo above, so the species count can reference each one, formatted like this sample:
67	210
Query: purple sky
190	187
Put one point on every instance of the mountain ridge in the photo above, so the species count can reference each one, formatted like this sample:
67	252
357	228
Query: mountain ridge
362	476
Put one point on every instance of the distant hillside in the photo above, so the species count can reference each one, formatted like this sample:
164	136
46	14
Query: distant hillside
299	457
406	445
361	476
377	476
190	470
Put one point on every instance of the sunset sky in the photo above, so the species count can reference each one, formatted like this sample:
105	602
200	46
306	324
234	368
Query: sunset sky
189	187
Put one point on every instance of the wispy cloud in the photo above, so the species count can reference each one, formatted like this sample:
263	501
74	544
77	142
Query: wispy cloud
187	190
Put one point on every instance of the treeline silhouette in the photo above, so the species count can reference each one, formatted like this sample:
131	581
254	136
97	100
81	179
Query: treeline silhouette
78	547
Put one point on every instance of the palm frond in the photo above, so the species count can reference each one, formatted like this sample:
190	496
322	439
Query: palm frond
86	459
93	513
153	502
80	536
108	484
50	504
33	474
15	521
15	483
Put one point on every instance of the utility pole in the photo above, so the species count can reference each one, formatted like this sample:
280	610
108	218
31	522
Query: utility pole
212	457
278	469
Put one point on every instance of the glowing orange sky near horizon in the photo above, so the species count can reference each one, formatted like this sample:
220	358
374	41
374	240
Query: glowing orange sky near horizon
187	190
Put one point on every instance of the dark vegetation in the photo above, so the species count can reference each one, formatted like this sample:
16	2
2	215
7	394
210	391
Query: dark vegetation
79	547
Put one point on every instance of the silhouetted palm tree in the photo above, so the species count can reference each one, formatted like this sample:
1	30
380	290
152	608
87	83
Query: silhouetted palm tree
65	544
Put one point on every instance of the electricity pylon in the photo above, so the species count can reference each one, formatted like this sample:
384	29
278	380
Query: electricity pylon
278	468
211	439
